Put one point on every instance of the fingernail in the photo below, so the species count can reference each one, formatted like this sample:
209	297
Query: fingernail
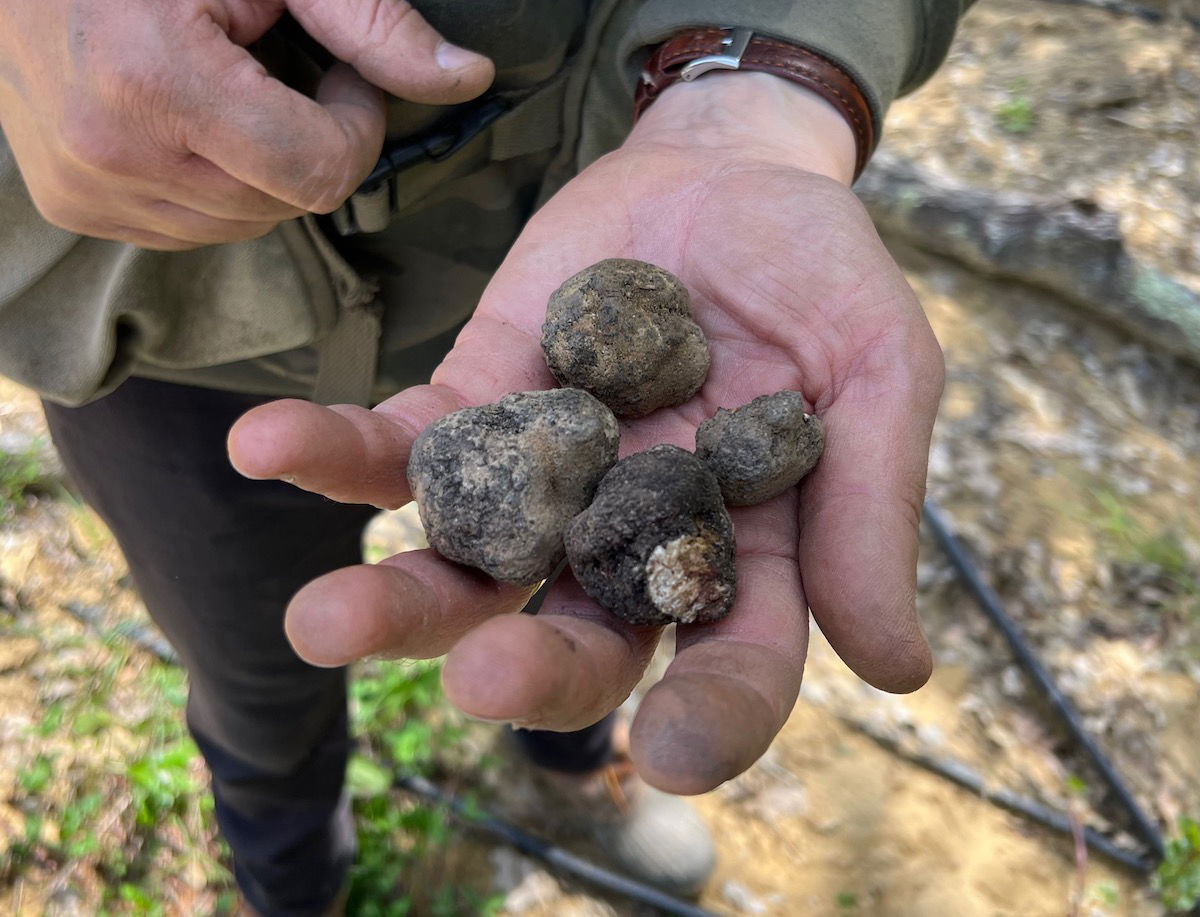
452	57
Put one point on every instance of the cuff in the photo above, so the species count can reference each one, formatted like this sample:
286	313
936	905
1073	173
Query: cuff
886	46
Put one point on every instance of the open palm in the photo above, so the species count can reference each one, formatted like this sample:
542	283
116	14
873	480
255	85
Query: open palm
794	291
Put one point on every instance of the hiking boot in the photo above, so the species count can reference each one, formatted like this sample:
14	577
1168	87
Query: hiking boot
646	834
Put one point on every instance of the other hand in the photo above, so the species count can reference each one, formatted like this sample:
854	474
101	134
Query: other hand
149	122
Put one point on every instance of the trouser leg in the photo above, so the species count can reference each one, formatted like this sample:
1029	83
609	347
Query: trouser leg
571	752
216	557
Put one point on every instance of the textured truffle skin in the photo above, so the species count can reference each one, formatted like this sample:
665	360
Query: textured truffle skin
497	484
762	448
623	330
657	544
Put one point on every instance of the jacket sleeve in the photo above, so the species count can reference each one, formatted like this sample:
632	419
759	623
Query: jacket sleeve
889	46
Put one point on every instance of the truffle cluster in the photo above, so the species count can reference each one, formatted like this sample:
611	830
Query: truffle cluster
511	487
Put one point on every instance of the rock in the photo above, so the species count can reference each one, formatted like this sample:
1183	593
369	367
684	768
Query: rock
497	484
656	546
760	449
623	330
1073	248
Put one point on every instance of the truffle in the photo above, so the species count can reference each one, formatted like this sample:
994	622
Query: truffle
623	330
497	484
656	546
762	448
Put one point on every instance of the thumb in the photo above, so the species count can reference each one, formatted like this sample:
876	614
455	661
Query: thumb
391	45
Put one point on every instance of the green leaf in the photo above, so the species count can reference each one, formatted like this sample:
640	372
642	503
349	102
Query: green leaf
89	721
365	777
34	778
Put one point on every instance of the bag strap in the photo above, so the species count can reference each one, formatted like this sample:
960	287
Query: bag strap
521	123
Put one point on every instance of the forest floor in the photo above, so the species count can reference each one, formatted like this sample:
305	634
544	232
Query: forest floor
1064	455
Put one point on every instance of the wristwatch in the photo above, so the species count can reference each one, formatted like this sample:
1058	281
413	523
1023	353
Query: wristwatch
691	54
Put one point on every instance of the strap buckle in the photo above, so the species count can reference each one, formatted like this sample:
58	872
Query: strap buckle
369	207
735	44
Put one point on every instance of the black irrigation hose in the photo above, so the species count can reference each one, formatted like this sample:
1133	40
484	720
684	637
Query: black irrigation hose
548	853
953	771
969	779
1029	661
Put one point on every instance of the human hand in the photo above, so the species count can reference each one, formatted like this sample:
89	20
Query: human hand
149	121
737	184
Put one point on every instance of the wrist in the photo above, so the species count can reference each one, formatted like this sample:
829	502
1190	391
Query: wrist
756	116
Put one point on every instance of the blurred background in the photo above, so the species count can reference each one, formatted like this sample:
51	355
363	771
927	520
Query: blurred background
1042	193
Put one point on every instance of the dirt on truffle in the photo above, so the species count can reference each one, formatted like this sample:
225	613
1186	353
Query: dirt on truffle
656	546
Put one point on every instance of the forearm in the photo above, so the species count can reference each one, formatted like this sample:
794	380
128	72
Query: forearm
754	116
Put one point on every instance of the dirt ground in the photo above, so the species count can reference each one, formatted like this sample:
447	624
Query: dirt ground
1064	454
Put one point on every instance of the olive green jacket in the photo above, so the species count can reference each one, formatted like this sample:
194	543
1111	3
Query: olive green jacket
291	314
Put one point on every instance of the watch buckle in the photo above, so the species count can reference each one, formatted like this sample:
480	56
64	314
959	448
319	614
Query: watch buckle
735	44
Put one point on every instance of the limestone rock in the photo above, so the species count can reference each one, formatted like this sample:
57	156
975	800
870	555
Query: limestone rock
497	484
623	330
762	448
656	545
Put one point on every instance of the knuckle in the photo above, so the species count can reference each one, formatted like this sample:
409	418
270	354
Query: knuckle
87	138
61	213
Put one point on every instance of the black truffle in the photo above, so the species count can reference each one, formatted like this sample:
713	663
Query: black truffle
657	544
497	484
623	330
762	448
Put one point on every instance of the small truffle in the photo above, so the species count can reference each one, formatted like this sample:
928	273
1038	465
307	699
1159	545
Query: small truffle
623	330
656	546
762	448
497	484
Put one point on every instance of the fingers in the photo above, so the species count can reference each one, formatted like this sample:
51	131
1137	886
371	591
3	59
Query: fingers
155	224
172	109
309	154
345	452
413	605
396	49
562	669
731	686
861	508
209	190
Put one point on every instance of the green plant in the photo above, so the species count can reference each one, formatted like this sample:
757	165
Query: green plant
1163	550
161	781
76	828
139	900
403	725
19	472
1075	786
33	778
1177	879
1016	114
1104	894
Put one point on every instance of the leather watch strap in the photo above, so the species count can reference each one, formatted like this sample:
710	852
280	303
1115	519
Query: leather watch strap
690	54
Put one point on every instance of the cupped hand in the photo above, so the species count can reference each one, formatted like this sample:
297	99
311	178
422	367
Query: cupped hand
149	122
794	290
